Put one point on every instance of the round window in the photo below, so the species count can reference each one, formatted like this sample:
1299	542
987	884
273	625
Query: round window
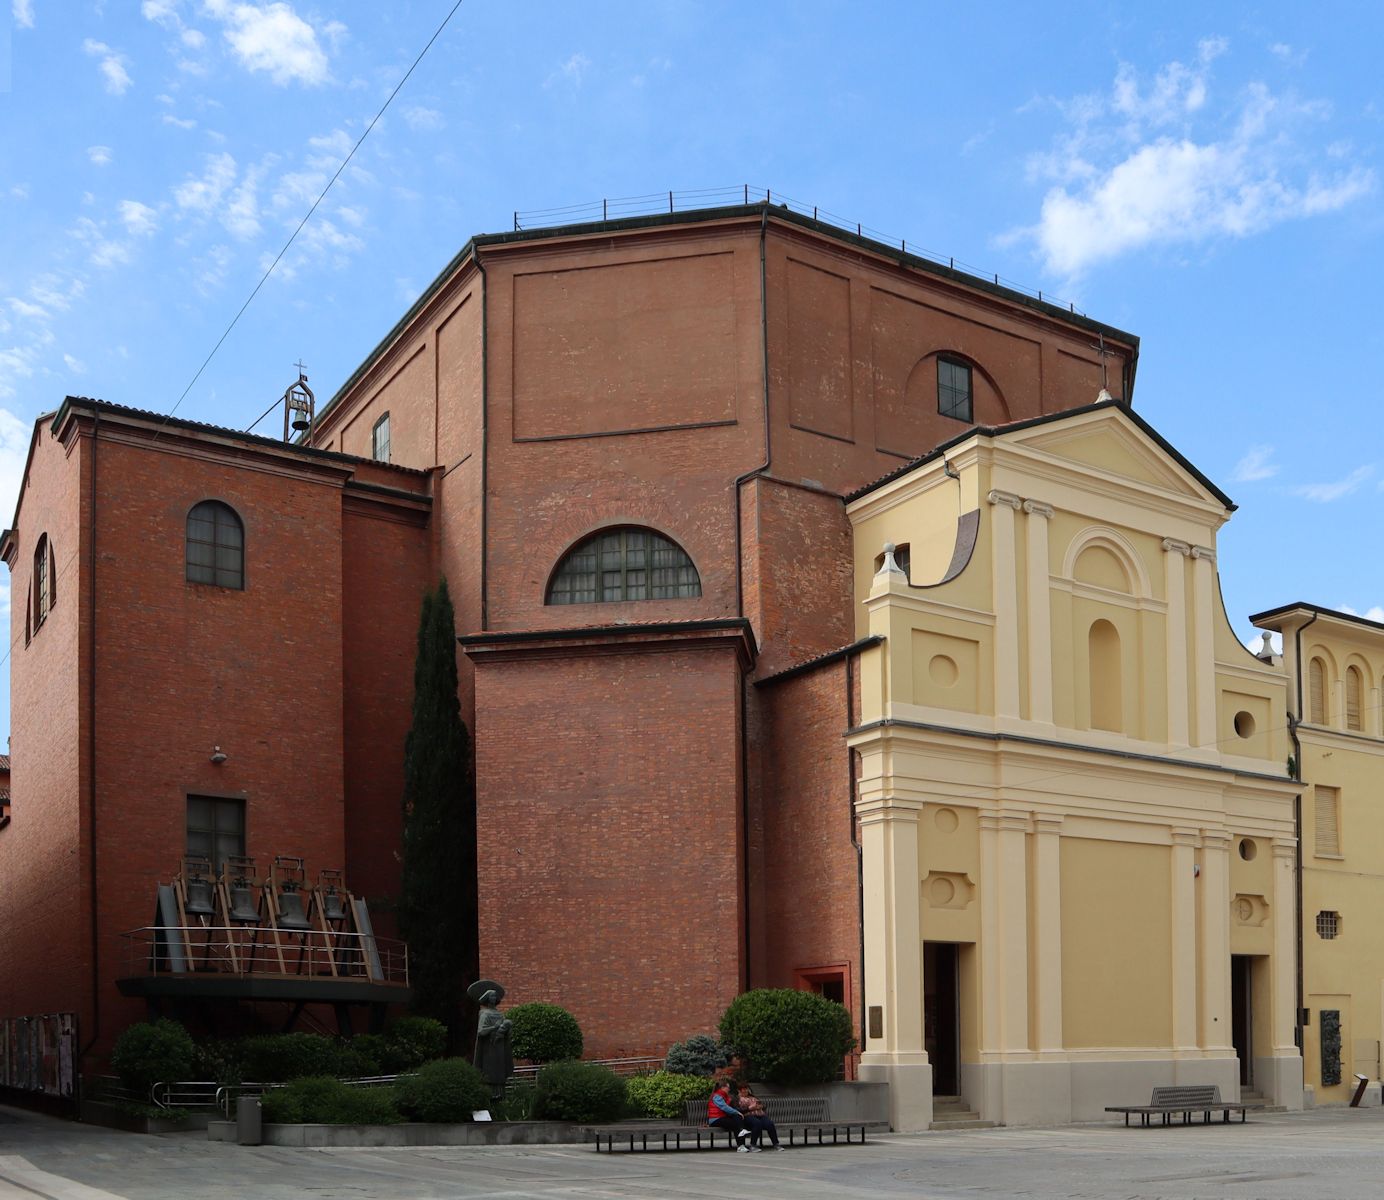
1248	849
1244	724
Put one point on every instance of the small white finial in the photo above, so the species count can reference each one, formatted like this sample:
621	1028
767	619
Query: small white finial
889	566
1103	395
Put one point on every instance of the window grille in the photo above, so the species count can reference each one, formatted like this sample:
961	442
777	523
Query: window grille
625	564
1353	690
379	440
44	591
215	546
954	389
1328	925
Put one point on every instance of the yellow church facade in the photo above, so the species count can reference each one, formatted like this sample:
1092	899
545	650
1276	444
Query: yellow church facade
1077	820
1334	663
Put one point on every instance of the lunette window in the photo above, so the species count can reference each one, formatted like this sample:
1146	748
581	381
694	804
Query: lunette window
215	545
379	440
954	389
624	564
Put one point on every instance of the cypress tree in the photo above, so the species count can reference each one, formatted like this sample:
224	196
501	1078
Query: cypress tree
437	900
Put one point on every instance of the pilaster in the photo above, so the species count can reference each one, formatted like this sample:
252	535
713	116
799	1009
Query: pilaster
1216	1033
1005	577
1039	612
1184	940
1047	931
1203	606
1175	583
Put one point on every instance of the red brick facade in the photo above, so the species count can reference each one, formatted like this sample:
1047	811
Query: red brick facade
659	827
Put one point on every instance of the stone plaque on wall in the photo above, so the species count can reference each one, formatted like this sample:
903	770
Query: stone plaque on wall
1331	1046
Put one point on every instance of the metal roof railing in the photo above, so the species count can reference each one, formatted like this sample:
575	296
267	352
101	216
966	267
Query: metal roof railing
699	199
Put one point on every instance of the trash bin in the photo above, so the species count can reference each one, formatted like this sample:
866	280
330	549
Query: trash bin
249	1121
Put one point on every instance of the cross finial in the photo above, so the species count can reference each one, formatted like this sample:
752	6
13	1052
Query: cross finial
1104	354
301	369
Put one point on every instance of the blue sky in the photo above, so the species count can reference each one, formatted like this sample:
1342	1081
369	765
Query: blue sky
1206	176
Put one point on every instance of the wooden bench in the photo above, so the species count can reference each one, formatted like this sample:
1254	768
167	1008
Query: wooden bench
1185	1099
794	1116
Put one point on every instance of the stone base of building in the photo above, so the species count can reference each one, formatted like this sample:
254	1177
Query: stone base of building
909	1077
1279	1081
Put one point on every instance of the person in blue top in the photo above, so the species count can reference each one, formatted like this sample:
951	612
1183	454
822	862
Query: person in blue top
722	1114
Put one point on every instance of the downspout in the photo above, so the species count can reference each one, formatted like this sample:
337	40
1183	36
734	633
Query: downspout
485	434
91	763
1294	719
855	841
740	480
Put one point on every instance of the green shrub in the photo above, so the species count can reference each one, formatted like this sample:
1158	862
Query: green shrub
544	1033
665	1093
371	1052
279	1057
410	1042
518	1103
788	1036
450	1089
217	1059
322	1100
701	1054
156	1052
578	1091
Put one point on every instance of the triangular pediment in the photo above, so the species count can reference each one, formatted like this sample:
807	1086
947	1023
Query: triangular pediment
1115	444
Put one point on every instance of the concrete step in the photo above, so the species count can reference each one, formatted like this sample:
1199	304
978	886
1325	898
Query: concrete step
951	1124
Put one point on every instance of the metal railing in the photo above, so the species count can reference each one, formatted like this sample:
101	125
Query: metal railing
264	950
656	203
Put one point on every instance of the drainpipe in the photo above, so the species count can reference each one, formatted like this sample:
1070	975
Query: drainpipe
485	433
740	480
95	926
1294	719
855	843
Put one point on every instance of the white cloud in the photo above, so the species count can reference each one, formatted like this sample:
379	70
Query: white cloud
1131	170
163	12
75	365
572	71
1373	613
20	191
1255	465
242	212
194	39
99	155
423	118
140	219
22	308
275	39
1325	493
23	13
180	122
112	66
204	194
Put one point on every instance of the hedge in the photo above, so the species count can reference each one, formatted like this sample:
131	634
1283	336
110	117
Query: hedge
544	1033
788	1036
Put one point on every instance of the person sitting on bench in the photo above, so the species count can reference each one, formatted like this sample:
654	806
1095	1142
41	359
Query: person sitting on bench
722	1114
759	1121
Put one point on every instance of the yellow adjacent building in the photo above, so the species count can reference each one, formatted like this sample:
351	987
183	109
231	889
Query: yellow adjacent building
1334	663
1076	814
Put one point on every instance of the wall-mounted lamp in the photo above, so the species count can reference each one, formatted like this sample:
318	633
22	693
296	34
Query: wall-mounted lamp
218	756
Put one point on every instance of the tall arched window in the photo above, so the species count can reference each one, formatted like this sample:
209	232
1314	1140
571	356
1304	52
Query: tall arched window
215	545
1107	680
45	581
624	564
1316	687
1354	691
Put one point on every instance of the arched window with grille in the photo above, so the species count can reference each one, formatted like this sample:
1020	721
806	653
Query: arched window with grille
1316	688
628	563
45	581
215	545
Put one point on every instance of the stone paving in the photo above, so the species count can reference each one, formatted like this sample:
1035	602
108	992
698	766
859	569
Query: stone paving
1330	1154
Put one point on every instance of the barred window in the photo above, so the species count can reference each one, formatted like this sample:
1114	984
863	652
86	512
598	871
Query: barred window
215	545
624	564
215	829
1328	925
45	581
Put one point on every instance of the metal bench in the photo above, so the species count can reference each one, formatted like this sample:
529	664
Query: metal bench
1185	1099
796	1117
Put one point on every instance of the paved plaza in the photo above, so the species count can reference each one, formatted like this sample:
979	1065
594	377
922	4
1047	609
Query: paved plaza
1323	1155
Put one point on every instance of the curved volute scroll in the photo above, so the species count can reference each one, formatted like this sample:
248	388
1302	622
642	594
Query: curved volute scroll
963	549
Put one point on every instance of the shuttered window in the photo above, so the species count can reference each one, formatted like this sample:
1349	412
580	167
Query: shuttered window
1327	807
1354	687
1316	705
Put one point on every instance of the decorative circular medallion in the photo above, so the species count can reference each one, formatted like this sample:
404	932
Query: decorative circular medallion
942	891
943	671
946	819
1244	909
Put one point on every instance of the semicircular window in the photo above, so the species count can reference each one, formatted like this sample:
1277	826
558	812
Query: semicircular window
624	564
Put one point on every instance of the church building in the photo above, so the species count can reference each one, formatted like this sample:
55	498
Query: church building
827	618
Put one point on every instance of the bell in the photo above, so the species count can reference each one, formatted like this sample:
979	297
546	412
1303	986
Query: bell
332	907
291	912
199	903
243	906
301	422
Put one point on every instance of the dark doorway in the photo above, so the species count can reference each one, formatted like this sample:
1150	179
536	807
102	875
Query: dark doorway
1242	1014
941	1015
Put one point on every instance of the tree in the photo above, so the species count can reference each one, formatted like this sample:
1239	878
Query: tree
437	898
